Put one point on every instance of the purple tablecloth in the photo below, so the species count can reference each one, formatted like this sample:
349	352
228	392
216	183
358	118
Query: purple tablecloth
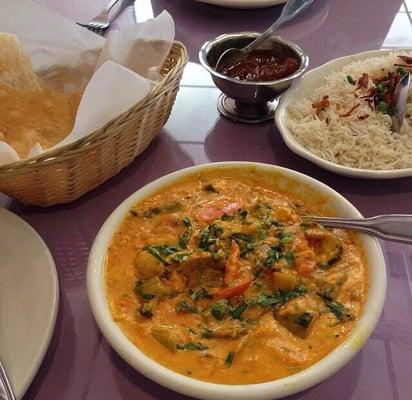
80	364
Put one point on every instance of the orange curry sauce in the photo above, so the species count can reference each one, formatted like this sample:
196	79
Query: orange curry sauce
217	278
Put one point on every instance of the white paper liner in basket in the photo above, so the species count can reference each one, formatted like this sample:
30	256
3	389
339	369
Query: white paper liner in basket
125	65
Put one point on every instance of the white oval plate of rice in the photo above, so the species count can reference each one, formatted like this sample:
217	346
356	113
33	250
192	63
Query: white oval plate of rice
353	145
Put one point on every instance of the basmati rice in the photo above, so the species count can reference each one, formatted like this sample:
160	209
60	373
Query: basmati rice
359	143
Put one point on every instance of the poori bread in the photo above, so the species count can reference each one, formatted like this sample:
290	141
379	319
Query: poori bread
30	113
15	68
39	116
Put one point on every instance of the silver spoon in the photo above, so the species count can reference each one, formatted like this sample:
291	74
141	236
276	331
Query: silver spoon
394	227
232	56
6	392
400	97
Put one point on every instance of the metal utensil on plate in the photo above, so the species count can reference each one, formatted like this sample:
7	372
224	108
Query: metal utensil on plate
394	227
232	56
101	22
400	97
6	392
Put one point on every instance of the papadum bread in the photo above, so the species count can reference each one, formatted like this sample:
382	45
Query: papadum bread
15	68
29	112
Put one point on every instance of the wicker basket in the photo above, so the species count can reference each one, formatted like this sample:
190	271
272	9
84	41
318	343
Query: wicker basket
64	174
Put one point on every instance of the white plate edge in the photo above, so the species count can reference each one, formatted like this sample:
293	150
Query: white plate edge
19	392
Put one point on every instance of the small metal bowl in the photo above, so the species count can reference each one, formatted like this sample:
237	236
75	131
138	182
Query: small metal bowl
247	101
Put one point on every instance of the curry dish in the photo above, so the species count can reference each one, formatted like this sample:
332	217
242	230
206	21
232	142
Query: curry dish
220	278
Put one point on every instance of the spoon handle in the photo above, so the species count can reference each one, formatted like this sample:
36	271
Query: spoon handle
291	9
394	227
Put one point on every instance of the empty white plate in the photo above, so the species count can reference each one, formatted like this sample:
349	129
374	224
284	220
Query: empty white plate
29	297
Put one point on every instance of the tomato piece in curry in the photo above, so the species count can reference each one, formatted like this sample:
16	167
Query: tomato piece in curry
219	278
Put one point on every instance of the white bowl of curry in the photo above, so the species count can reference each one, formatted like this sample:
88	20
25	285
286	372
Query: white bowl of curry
208	282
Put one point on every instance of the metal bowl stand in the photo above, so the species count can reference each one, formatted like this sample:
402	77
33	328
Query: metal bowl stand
246	113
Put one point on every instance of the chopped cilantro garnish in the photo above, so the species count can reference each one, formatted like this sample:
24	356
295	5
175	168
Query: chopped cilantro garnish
262	234
219	309
401	70
243	237
207	333
179	257
289	257
138	289
201	294
337	308
273	255
160	252
243	216
382	107
380	88
350	79
246	243
279	297
192	346
184	238
223	308
184	306
229	358
276	223
206	240
226	217
217	230
238	311
284	237
187	221
156	251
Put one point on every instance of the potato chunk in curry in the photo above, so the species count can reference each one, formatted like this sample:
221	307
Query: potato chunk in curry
228	284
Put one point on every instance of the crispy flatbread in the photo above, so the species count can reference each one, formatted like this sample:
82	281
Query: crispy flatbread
29	112
15	68
41	116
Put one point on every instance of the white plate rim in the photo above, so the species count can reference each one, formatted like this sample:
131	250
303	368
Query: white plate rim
210	391
245	4
295	91
21	387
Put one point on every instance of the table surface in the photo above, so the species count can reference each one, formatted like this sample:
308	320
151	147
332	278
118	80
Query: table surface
80	364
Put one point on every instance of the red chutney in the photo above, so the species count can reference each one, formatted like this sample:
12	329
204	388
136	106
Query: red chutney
262	65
